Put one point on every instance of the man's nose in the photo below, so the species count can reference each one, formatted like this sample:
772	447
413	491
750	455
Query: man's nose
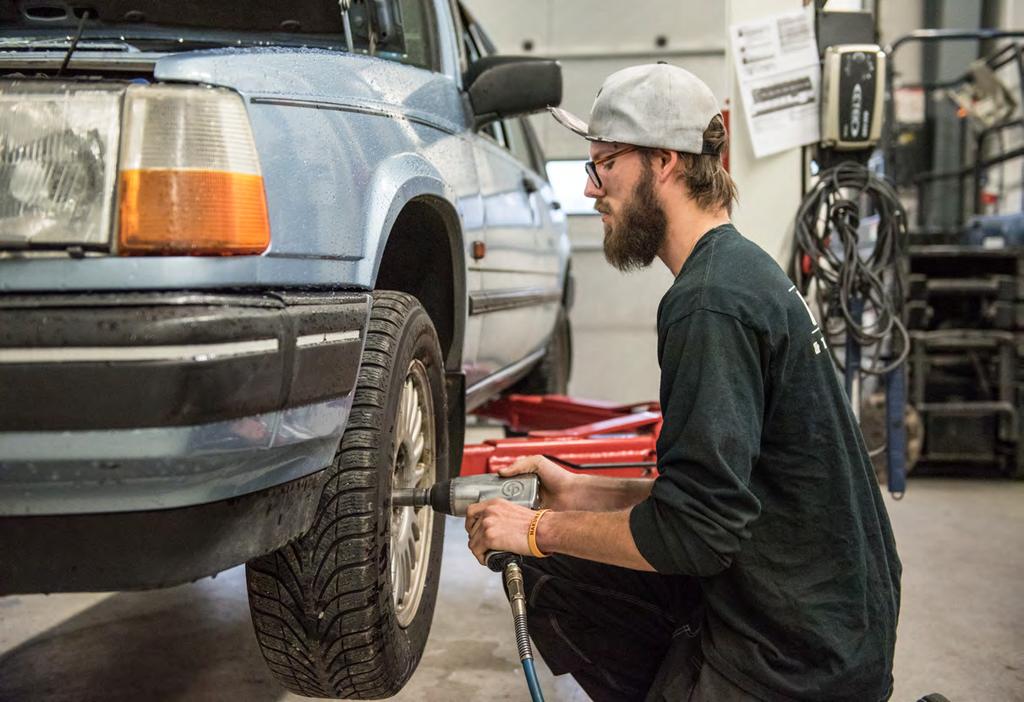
592	190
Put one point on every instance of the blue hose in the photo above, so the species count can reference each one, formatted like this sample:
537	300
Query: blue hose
508	565
531	680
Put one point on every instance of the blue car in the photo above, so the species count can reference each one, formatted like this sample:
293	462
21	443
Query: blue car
257	261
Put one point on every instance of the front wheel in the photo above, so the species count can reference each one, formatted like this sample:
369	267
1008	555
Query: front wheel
345	610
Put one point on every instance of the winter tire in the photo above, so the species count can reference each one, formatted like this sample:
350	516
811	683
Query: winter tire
344	611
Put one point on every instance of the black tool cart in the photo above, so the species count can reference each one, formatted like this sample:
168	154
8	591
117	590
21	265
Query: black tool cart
959	165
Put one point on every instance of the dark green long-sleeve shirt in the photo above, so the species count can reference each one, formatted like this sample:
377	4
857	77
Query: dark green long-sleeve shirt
765	490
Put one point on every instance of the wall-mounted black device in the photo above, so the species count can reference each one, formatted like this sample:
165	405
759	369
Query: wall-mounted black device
852	96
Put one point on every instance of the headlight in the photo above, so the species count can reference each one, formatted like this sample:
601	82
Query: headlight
187	179
58	163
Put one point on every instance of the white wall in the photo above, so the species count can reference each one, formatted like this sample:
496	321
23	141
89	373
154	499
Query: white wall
1013	14
896	18
769	187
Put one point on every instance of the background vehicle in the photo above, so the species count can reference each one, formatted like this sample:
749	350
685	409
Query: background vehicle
250	281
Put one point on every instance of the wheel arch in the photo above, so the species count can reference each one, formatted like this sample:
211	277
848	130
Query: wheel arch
420	252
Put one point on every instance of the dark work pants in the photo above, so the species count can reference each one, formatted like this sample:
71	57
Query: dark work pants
622	634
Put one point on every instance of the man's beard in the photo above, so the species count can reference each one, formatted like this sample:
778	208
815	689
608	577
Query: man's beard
640	233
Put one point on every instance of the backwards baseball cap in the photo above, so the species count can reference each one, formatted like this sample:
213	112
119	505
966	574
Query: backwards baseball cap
655	105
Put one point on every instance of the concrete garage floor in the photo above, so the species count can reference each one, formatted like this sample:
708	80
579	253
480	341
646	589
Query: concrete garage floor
961	630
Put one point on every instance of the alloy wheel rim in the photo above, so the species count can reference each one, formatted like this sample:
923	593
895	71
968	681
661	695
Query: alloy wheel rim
414	467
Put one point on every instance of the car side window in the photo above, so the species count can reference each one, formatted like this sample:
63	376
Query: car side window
518	143
540	163
495	131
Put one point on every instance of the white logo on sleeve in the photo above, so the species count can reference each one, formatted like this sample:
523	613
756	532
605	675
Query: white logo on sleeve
817	335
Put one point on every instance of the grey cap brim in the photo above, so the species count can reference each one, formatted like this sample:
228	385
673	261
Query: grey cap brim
573	123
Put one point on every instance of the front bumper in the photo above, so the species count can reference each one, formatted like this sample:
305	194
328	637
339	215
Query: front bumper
149	439
118	403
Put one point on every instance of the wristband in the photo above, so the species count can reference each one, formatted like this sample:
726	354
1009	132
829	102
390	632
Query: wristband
531	535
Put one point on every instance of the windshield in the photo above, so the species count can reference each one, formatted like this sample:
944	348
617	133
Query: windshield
399	30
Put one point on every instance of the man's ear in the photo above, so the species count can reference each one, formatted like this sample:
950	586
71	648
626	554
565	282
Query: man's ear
666	162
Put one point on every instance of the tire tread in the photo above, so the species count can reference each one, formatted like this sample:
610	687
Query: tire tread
313	601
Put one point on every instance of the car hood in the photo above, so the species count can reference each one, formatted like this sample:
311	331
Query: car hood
309	16
322	78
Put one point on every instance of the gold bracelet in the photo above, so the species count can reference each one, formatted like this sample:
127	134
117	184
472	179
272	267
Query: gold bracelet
531	535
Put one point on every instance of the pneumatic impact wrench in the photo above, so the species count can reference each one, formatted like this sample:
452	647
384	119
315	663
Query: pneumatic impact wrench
454	497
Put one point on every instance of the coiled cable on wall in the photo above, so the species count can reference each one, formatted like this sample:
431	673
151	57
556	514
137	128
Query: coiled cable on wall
826	251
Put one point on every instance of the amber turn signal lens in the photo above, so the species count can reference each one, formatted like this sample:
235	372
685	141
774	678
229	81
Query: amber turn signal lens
192	212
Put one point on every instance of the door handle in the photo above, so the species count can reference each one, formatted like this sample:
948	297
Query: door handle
529	186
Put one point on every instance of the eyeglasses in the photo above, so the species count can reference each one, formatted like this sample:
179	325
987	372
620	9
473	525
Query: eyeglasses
591	166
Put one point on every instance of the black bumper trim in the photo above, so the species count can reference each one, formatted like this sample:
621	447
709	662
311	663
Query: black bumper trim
158	548
93	381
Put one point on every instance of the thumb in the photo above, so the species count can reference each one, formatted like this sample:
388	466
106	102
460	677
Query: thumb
526	464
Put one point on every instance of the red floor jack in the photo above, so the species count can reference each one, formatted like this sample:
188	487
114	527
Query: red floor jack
583	435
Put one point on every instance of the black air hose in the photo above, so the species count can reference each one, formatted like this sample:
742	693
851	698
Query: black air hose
831	211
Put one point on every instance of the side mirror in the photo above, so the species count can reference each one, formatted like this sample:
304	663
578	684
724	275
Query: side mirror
507	86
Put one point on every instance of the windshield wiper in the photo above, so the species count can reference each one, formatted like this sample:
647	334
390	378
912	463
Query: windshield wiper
64	43
74	43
